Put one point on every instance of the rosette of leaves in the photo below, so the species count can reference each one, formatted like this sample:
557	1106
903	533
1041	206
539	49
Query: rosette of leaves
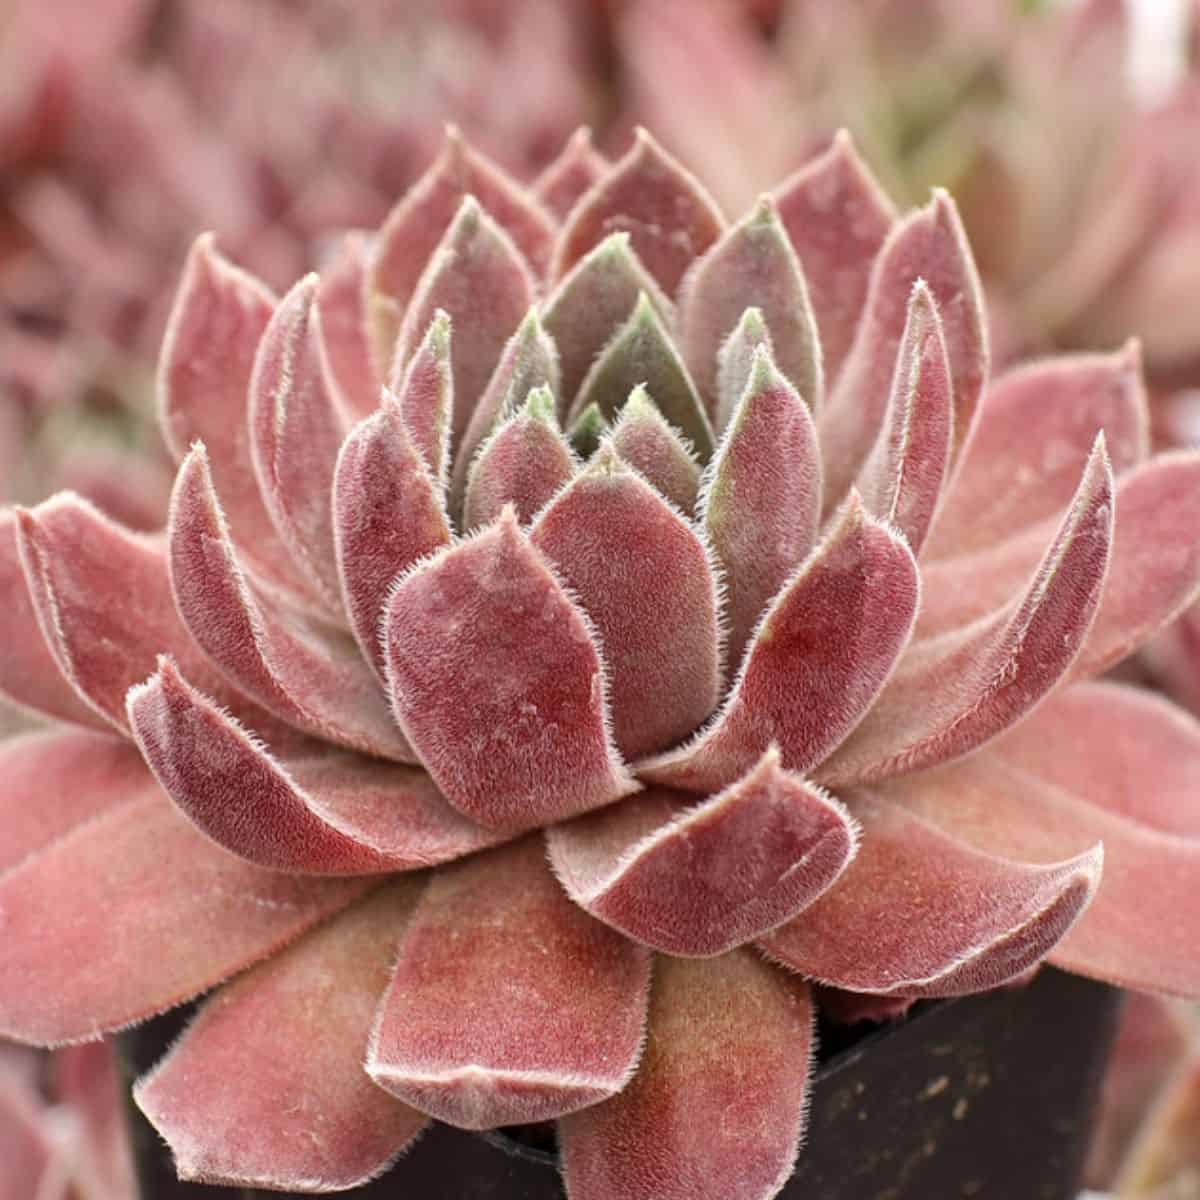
583	627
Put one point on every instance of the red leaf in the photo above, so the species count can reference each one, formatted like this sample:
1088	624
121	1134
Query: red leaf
578	166
345	344
659	453
423	394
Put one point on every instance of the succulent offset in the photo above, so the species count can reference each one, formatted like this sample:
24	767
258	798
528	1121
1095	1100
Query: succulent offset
583	626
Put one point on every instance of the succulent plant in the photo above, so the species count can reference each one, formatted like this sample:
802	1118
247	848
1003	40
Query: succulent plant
583	625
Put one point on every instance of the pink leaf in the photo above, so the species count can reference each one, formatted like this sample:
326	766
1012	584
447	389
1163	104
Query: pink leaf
578	166
752	264
665	210
716	1109
207	359
497	681
837	217
387	514
902	478
33	1165
216	1097
951	694
1032	438
529	361
592	302
643	438
310	676
424	396
135	912
644	578
345	344
478	277
735	361
762	496
698	880
820	655
642	354
556	1000
523	463
323	815
929	244
918	913
295	432
53	781
29	674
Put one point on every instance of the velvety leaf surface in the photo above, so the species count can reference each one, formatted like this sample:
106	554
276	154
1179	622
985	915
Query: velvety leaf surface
587	432
563	183
644	579
837	217
296	429
762	496
929	244
336	814
411	233
1145	909
523	463
508	1003
734	1036
529	360
309	676
133	913
752	264
668	215
642	354
207	360
902	479
345	346
497	682
387	513
266	1087
643	438
698	880
953	693
479	278
29	676
424	396
1032	438
52	781
819	657
918	913
735	362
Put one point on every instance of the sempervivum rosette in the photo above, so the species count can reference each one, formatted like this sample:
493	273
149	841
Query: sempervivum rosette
624	557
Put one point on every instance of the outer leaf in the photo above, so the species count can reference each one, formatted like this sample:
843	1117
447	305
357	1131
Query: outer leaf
644	439
216	1097
1032	439
52	781
523	464
345	344
642	353
669	216
556	1000
133	913
734	1036
416	225
564	182
818	659
594	299
496	680
837	217
424	397
902	478
29	675
644	579
930	245
762	496
306	675
478	276
752	264
951	694
322	815
698	881
920	914
295	431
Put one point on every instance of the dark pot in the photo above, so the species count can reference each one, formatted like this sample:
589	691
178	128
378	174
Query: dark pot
990	1096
